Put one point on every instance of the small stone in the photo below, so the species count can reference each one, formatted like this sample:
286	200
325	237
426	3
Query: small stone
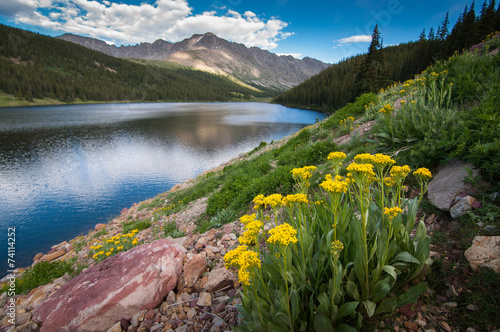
445	326
205	299
193	270
171	297
221	306
191	313
472	307
220	278
490	228
217	321
471	329
150	314
115	328
450	304
420	322
410	325
451	292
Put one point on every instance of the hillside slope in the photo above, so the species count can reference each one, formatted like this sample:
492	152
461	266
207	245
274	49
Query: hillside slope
210	53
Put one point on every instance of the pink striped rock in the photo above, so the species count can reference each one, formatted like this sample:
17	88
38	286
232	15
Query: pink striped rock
116	288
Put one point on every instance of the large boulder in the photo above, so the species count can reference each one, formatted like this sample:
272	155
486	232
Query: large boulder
116	288
448	183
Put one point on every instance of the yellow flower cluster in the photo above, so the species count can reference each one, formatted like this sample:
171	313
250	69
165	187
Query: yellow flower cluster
303	173
113	244
243	259
389	181
339	185
337	248
399	172
337	156
423	173
362	169
274	200
387	108
259	201
252	229
295	198
248	218
283	234
391	213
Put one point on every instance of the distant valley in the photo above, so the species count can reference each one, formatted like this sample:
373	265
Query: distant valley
207	52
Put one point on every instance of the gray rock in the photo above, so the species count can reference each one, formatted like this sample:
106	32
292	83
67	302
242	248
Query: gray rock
448	182
463	205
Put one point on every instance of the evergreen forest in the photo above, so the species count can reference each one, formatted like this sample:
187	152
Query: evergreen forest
37	66
341	83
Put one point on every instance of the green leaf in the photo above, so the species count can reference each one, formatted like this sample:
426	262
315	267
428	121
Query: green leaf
345	328
322	323
391	270
352	290
346	309
411	295
370	307
294	303
387	305
324	303
380	290
405	256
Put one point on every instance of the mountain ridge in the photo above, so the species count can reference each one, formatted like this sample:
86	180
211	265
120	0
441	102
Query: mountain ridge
210	53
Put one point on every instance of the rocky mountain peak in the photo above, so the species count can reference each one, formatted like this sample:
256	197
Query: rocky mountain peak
213	54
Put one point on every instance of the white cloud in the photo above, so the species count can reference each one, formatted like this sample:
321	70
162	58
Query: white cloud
295	55
128	24
355	39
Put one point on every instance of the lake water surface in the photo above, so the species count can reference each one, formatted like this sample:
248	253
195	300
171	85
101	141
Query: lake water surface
64	169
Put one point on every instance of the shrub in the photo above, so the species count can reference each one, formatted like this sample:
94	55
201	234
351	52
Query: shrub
135	225
41	274
339	257
170	229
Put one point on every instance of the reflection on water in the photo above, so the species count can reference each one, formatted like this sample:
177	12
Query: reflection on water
65	168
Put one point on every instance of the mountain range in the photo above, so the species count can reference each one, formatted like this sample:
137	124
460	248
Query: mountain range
207	52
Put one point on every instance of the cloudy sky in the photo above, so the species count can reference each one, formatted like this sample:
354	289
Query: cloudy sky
328	30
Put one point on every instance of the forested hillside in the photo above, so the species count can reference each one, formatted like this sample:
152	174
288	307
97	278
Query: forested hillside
343	82
38	66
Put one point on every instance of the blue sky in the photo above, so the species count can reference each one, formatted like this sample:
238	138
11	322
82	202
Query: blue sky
325	30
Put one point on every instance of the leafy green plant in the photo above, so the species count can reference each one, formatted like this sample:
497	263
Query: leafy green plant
342	254
40	274
135	225
170	229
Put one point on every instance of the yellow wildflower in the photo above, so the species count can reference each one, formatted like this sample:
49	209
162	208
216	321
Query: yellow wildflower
391	213
247	218
389	181
337	247
400	172
382	160
259	201
303	173
295	198
232	256
337	156
275	200
335	186
108	253
361	169
423	173
283	234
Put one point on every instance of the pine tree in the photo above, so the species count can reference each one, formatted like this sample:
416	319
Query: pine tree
373	74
